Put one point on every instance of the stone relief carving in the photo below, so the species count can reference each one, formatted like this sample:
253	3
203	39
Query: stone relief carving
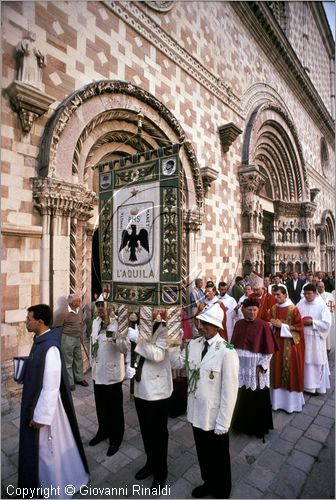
161	6
55	197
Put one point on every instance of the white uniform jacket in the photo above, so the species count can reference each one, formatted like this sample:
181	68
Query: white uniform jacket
108	367
214	397
156	377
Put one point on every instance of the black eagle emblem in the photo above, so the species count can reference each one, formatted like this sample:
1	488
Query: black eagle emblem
131	241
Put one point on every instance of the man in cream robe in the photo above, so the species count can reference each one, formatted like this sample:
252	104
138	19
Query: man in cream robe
317	321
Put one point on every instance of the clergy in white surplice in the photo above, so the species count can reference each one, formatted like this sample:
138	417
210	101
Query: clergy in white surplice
317	321
329	299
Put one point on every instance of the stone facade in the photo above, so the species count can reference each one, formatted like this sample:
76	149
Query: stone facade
245	87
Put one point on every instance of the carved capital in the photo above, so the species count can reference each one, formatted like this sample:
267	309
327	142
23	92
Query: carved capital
29	102
192	220
228	134
250	179
52	196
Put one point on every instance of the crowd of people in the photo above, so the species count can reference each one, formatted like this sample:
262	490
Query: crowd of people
245	349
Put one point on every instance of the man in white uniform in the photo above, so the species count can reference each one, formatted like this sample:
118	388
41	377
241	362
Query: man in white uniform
51	454
153	387
108	372
212	367
317	321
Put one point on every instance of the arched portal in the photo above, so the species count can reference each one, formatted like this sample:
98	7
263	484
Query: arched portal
274	184
326	233
103	121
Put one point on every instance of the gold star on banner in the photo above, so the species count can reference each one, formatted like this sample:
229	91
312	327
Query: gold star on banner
134	192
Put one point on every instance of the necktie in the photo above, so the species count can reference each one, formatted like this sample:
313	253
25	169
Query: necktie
205	348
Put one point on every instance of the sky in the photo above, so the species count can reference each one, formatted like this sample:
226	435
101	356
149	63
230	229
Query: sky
329	8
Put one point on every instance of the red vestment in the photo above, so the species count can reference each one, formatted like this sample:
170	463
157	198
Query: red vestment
254	336
287	365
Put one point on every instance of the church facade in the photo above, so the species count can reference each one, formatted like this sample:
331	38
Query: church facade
246	91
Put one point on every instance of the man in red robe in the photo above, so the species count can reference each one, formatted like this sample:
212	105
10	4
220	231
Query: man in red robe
260	293
287	366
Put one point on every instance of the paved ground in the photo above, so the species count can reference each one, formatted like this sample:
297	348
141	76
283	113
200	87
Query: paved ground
296	461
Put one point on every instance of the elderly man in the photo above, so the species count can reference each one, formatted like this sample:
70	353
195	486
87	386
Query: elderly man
71	320
330	301
317	321
51	453
262	295
212	368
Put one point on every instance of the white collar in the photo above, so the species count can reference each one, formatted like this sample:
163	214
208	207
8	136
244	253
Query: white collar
287	303
213	339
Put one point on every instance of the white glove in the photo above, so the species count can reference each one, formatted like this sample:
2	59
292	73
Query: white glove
133	333
219	429
129	372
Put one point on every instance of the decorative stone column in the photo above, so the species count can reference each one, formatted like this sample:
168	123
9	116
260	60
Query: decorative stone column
251	182
62	205
192	222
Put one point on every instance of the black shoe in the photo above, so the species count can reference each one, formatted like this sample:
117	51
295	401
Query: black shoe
84	383
143	473
72	387
112	450
97	439
201	491
158	483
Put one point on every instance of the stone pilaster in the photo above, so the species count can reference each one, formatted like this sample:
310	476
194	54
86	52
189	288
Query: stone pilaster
63	206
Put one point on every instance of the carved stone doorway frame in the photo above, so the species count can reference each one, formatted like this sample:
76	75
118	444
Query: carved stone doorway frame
98	123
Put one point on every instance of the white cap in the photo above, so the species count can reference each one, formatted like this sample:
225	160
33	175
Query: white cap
100	298
212	314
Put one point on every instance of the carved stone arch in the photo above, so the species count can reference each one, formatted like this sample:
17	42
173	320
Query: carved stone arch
93	105
326	232
272	171
270	134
